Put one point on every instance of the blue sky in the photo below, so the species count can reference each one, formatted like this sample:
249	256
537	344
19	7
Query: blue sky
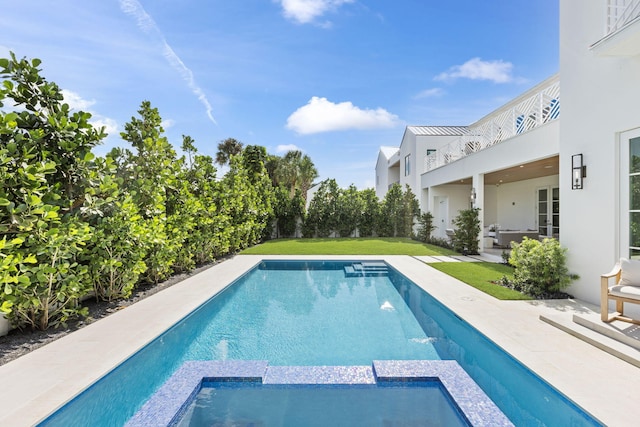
336	79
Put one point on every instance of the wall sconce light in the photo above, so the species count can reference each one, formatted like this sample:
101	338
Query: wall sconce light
473	197
578	172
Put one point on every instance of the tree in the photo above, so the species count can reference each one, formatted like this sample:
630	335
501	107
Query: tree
349	211
466	240
296	171
426	227
322	218
48	181
398	212
370	212
227	149
410	210
390	212
150	176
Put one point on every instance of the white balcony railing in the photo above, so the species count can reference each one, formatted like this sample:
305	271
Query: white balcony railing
520	116
621	13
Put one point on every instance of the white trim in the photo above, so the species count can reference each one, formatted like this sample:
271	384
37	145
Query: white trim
622	232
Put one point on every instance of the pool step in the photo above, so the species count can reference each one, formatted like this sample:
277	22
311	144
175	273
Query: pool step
365	269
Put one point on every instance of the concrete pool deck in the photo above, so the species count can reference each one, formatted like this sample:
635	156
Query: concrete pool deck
605	386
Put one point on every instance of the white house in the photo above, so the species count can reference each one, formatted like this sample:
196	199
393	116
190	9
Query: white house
523	164
405	165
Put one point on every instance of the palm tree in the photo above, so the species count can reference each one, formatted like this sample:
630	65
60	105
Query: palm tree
226	149
308	174
296	171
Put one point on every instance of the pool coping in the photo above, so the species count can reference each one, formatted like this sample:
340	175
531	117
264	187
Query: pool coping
37	384
171	400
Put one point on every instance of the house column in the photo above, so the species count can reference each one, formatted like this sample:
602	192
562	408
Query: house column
477	195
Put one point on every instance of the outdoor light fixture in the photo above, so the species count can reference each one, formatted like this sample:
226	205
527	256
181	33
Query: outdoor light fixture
473	197
578	172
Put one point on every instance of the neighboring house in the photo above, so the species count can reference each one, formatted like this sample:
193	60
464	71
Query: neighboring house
521	164
404	165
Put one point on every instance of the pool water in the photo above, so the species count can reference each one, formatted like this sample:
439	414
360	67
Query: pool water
422	403
312	313
312	317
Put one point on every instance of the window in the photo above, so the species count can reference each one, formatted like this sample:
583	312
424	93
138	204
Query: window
629	231
634	197
430	151
407	164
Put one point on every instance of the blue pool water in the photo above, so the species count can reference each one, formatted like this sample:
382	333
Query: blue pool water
309	313
421	403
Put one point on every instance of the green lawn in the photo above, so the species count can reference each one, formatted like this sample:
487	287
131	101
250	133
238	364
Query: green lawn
480	275
349	246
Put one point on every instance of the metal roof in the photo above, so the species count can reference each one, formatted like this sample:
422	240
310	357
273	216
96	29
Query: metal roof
438	130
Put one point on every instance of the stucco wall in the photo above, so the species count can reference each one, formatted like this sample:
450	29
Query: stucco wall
600	98
516	203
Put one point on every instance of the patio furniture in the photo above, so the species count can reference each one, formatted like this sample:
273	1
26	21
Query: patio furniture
625	287
505	237
451	233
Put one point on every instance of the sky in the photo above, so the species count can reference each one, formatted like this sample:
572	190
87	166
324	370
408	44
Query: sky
336	79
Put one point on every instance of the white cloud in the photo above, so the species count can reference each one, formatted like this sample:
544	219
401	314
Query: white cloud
322	115
286	148
306	11
78	103
430	93
497	71
149	26
167	123
75	101
110	125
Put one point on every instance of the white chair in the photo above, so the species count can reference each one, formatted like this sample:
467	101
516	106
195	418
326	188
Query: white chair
621	284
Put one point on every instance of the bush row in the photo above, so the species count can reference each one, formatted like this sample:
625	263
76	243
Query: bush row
73	224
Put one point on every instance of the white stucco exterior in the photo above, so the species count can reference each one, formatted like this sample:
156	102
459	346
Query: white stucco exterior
600	102
599	83
405	164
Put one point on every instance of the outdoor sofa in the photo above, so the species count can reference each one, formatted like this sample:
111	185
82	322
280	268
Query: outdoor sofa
505	237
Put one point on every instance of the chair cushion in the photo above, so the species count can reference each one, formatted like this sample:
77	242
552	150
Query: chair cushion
632	292
630	272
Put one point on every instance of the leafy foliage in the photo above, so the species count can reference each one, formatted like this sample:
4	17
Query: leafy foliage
426	227
540	267
47	178
466	239
370	212
227	149
72	224
322	215
398	212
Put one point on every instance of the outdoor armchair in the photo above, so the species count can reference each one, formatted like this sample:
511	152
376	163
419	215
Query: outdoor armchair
621	284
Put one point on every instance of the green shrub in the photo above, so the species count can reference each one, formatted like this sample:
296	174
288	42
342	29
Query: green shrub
540	267
116	256
426	227
466	240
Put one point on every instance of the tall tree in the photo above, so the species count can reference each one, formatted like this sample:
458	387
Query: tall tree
227	149
150	175
296	171
48	177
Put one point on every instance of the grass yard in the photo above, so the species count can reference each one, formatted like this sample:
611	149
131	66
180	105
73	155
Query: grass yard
348	246
480	275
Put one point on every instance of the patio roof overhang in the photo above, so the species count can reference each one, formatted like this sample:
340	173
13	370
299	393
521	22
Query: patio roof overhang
522	172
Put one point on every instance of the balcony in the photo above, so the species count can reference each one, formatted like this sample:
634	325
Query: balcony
535	108
622	28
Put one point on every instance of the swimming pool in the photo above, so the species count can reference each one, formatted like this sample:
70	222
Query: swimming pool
196	339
